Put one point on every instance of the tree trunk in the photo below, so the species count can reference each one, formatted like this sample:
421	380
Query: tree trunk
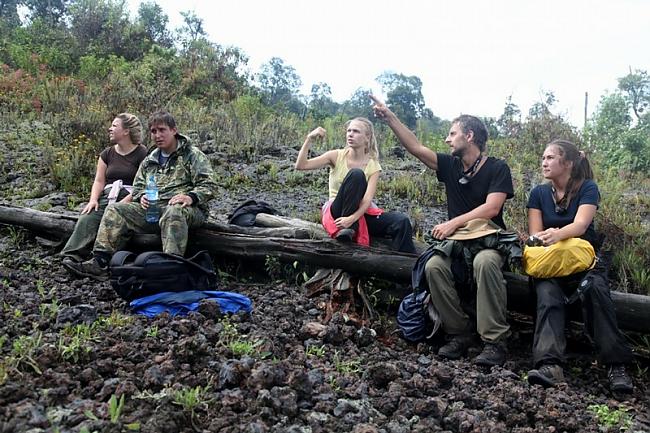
296	240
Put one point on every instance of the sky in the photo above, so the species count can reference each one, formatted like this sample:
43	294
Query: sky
471	55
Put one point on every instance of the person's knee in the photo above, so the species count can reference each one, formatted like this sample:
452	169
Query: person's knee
356	175
113	216
172	213
402	224
487	260
435	266
548	293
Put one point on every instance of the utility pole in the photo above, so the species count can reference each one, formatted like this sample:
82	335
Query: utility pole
586	103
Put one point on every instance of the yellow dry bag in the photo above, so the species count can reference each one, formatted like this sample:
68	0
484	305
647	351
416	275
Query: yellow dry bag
563	258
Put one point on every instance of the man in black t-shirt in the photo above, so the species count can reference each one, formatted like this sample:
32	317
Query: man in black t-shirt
477	186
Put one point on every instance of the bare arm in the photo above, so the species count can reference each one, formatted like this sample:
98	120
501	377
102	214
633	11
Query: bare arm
577	228
98	187
326	159
535	223
488	210
404	135
345	222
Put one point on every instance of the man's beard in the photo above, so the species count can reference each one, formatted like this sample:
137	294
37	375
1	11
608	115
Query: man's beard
459	153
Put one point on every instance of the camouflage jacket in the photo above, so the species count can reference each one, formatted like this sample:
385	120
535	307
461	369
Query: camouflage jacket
187	171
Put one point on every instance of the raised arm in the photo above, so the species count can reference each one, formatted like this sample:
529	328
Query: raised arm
405	135
327	158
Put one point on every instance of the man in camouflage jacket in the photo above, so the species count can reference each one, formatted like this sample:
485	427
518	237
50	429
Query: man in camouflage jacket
186	184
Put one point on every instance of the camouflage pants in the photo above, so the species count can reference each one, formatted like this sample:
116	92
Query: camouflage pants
122	220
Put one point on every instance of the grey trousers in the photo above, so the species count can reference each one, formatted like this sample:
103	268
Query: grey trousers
491	296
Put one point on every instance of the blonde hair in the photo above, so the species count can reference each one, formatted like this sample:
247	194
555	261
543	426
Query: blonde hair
373	149
132	123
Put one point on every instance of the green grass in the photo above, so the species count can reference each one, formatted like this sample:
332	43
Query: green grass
609	418
191	399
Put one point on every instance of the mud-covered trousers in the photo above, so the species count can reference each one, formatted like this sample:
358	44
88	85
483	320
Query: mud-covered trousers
599	318
122	220
394	225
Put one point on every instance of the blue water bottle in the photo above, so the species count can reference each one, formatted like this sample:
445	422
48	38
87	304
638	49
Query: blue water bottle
152	214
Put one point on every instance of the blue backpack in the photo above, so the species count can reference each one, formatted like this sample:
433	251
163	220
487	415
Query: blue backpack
417	318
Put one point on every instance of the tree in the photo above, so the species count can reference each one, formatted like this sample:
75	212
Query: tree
617	143
280	85
509	122
636	86
51	12
359	104
542	108
212	72
154	24
9	14
102	28
542	126
320	101
403	96
192	28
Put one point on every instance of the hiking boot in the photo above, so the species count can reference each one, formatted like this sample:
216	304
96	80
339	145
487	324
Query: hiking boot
345	235
492	354
89	268
456	347
619	380
547	375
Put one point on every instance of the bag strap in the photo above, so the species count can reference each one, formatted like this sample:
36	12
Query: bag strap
121	257
143	257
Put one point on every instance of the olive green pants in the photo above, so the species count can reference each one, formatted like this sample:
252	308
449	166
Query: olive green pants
122	220
491	296
80	243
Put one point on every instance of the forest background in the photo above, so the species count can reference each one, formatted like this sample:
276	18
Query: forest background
69	66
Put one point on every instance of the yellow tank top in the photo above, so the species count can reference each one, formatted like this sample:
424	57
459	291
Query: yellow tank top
340	169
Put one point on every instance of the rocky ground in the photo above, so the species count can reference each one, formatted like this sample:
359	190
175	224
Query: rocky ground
74	358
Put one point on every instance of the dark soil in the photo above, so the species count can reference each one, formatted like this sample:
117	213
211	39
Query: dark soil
288	372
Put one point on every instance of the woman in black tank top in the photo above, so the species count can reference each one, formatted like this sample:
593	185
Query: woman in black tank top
116	166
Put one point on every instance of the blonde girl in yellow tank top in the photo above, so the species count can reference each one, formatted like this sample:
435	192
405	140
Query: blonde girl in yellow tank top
350	214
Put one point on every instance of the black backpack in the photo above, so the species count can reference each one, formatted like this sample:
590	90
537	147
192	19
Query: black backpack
153	272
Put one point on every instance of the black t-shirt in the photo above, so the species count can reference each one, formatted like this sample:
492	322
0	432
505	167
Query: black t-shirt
122	167
494	176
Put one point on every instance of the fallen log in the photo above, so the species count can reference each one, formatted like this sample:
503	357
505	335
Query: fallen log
307	244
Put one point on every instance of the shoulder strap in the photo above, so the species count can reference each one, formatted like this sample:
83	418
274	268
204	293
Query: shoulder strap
143	257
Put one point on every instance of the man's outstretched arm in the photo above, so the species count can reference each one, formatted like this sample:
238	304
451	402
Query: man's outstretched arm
404	135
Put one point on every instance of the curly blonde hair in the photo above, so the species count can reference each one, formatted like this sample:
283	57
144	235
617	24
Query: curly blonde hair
133	124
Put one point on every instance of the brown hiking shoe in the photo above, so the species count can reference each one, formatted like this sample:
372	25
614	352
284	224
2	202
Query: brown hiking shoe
89	268
547	375
456	347
492	354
